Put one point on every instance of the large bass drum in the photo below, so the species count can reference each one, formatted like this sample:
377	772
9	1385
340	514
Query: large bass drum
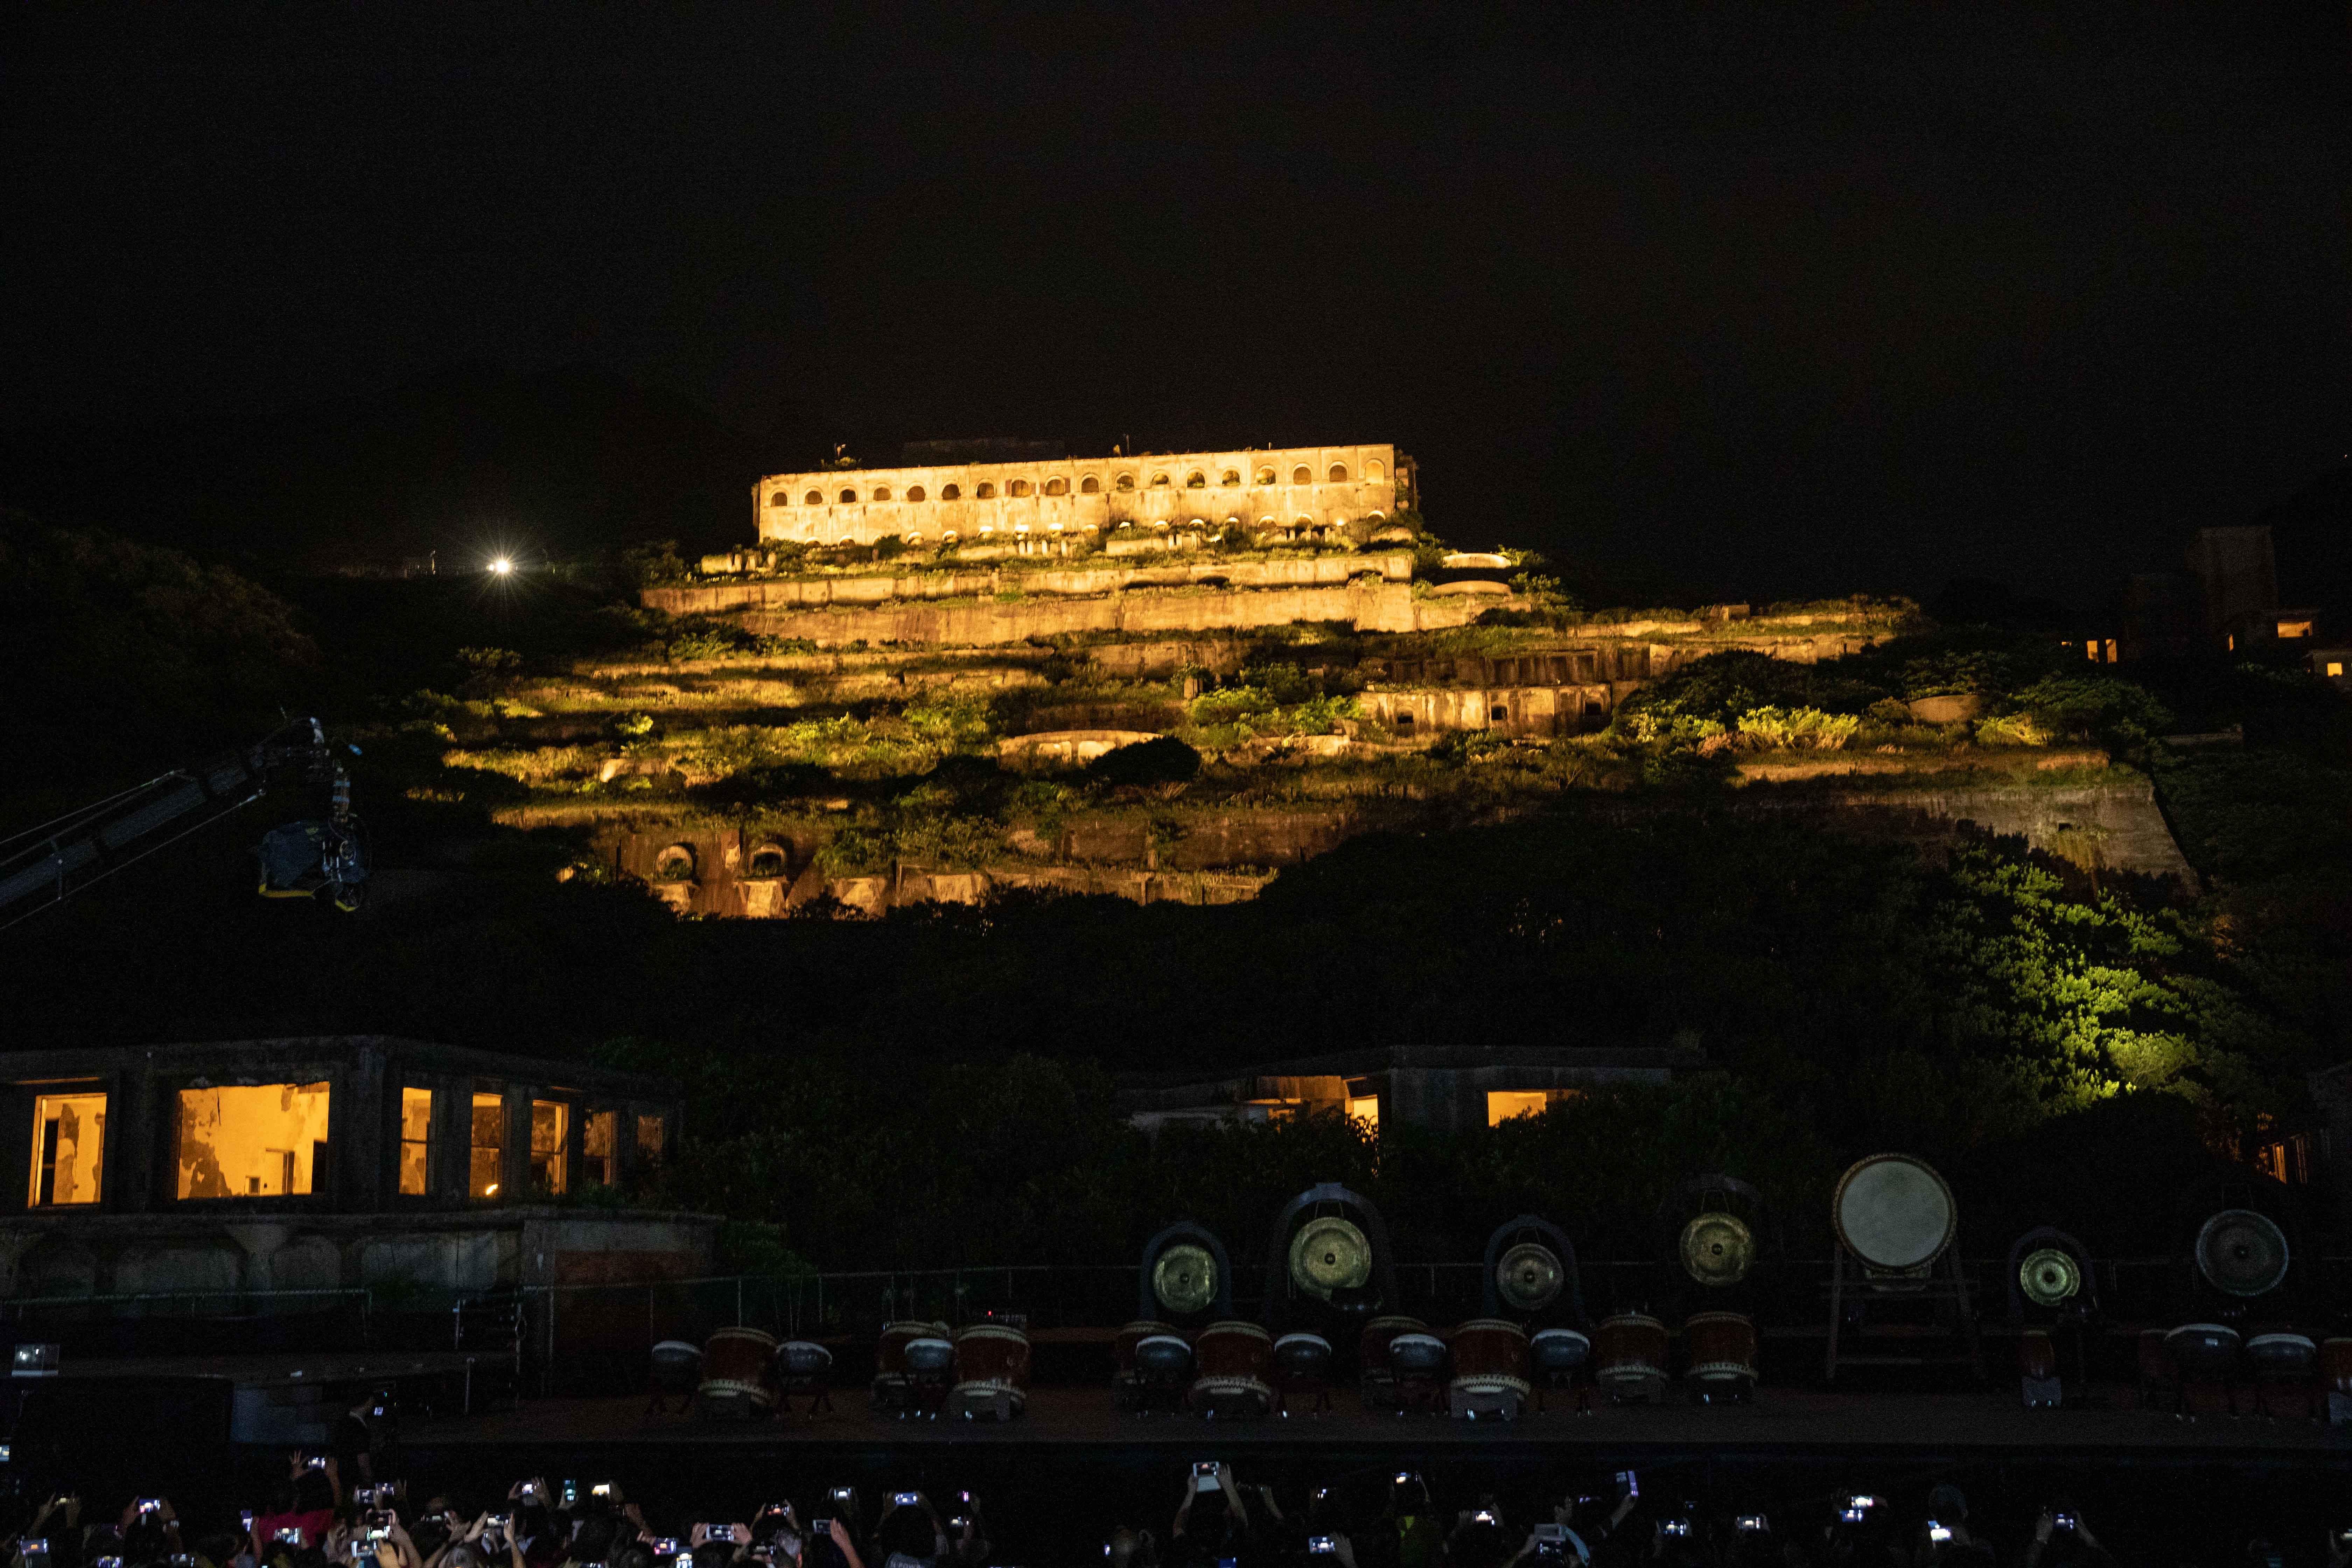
1490	1369
1894	1213
1722	1347
992	1371
1629	1354
738	1364
1234	1361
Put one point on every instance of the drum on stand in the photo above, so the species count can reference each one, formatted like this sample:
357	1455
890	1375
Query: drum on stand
738	1373
1894	1213
893	1386
2335	1377
1379	1379
1555	1357
1629	1358
1722	1348
1155	1363
991	1371
1490	1369
1234	1361
1302	1364
2280	1360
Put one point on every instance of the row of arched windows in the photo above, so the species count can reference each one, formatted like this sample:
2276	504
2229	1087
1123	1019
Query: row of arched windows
1090	485
1297	525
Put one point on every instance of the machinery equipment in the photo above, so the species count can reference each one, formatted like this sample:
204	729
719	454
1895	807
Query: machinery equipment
305	859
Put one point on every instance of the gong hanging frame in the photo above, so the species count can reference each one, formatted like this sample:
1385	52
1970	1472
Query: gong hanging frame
1147	1306
2248	1224
1283	1299
1567	1303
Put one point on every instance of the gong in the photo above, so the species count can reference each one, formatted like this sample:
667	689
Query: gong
1330	1253
1529	1276
1184	1278
1894	1213
1718	1247
2049	1277
2241	1252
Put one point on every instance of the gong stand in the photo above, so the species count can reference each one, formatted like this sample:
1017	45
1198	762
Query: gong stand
2076	1313
1673	1281
1148	1307
1562	1248
1280	1288
1942	1282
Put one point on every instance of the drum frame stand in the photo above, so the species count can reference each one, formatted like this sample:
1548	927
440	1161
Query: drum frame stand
1944	1282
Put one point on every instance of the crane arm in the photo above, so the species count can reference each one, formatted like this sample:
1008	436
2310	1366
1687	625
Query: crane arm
49	864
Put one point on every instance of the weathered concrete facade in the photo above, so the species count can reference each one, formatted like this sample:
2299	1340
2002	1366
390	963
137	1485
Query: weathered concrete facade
1293	491
157	1169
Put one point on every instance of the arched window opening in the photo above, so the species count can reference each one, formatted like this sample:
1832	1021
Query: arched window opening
1090	486
814	498
1405	724
768	860
1158	481
675	864
1127	482
1302	475
1196	480
987	491
914	492
1373	470
1266	476
913	539
848	496
950	492
1339	473
1302	523
780	499
948	535
1020	487
1266	522
1057	487
1161	525
1233	477
881	492
1375	517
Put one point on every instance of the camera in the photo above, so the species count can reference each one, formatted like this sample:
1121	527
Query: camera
961	1523
820	1528
150	1505
1629	1483
2062	1520
666	1546
362	1550
1322	1545
1204	1476
904	1499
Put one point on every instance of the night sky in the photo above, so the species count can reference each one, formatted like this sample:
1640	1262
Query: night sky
1791	302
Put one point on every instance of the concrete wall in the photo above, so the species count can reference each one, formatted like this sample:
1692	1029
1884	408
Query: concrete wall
1264	496
1321	571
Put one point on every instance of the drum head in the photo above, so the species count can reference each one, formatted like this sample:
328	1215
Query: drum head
1184	1278
1529	1276
2241	1252
1718	1247
1893	1212
1330	1253
2049	1276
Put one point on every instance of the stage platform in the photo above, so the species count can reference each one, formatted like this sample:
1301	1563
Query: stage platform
1792	1419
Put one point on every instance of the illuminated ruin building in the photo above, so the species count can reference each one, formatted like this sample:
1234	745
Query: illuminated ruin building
1028	504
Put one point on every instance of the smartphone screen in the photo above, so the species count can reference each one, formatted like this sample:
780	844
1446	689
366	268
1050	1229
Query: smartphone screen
1630	1482
1937	1531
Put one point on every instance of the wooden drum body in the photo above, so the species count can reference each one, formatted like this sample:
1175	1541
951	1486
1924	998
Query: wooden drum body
1722	1347
1373	1343
1490	1369
1235	1361
991	1371
1629	1356
890	1355
2335	1377
737	1372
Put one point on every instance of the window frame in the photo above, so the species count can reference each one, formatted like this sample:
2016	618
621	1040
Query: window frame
33	1094
325	1190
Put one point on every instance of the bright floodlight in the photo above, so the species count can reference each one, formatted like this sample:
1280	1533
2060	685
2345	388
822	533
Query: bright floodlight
501	567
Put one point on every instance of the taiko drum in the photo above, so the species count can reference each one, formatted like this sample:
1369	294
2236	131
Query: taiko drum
1722	1347
992	1358
890	1357
1629	1348
740	1362
1373	1345
1490	1356
1233	1357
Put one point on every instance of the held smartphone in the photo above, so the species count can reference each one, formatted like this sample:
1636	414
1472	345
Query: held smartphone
1676	1527
602	1489
34	1552
1322	1545
1750	1521
665	1546
1629	1483
292	1535
1204	1476
571	1494
1484	1516
821	1528
315	1462
904	1499
150	1505
1937	1533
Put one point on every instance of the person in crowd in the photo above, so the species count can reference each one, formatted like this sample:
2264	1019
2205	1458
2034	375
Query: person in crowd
909	1534
1130	1548
305	1511
1216	1534
2063	1540
1944	1536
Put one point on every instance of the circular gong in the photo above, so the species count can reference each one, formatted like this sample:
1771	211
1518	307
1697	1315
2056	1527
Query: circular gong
1330	1253
1184	1278
1893	1212
2049	1276
1529	1276
2241	1252
1718	1247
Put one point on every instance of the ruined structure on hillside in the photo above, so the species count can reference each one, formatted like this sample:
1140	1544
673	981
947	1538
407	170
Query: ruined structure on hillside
1316	492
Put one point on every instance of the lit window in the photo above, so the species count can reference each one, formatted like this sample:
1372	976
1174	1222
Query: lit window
913	492
1158	481
415	1141
1501	1104
1195	481
1266	476
1366	1108
1373	470
651	1132
596	1146
247	1140
489	1144
2334	669
68	1147
2294	628
550	1124
1057	487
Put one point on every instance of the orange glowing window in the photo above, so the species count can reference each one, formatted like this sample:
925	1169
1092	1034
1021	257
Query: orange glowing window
482	1177
651	1131
2335	670
251	1140
68	1147
1366	1108
2294	628
415	1141
596	1135
551	1130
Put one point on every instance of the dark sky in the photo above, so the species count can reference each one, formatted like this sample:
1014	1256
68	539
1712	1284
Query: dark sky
1792	299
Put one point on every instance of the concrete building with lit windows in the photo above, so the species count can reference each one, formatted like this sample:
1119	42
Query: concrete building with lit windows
1288	493
329	1162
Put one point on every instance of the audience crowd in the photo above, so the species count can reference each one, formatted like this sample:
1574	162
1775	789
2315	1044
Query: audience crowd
319	1518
